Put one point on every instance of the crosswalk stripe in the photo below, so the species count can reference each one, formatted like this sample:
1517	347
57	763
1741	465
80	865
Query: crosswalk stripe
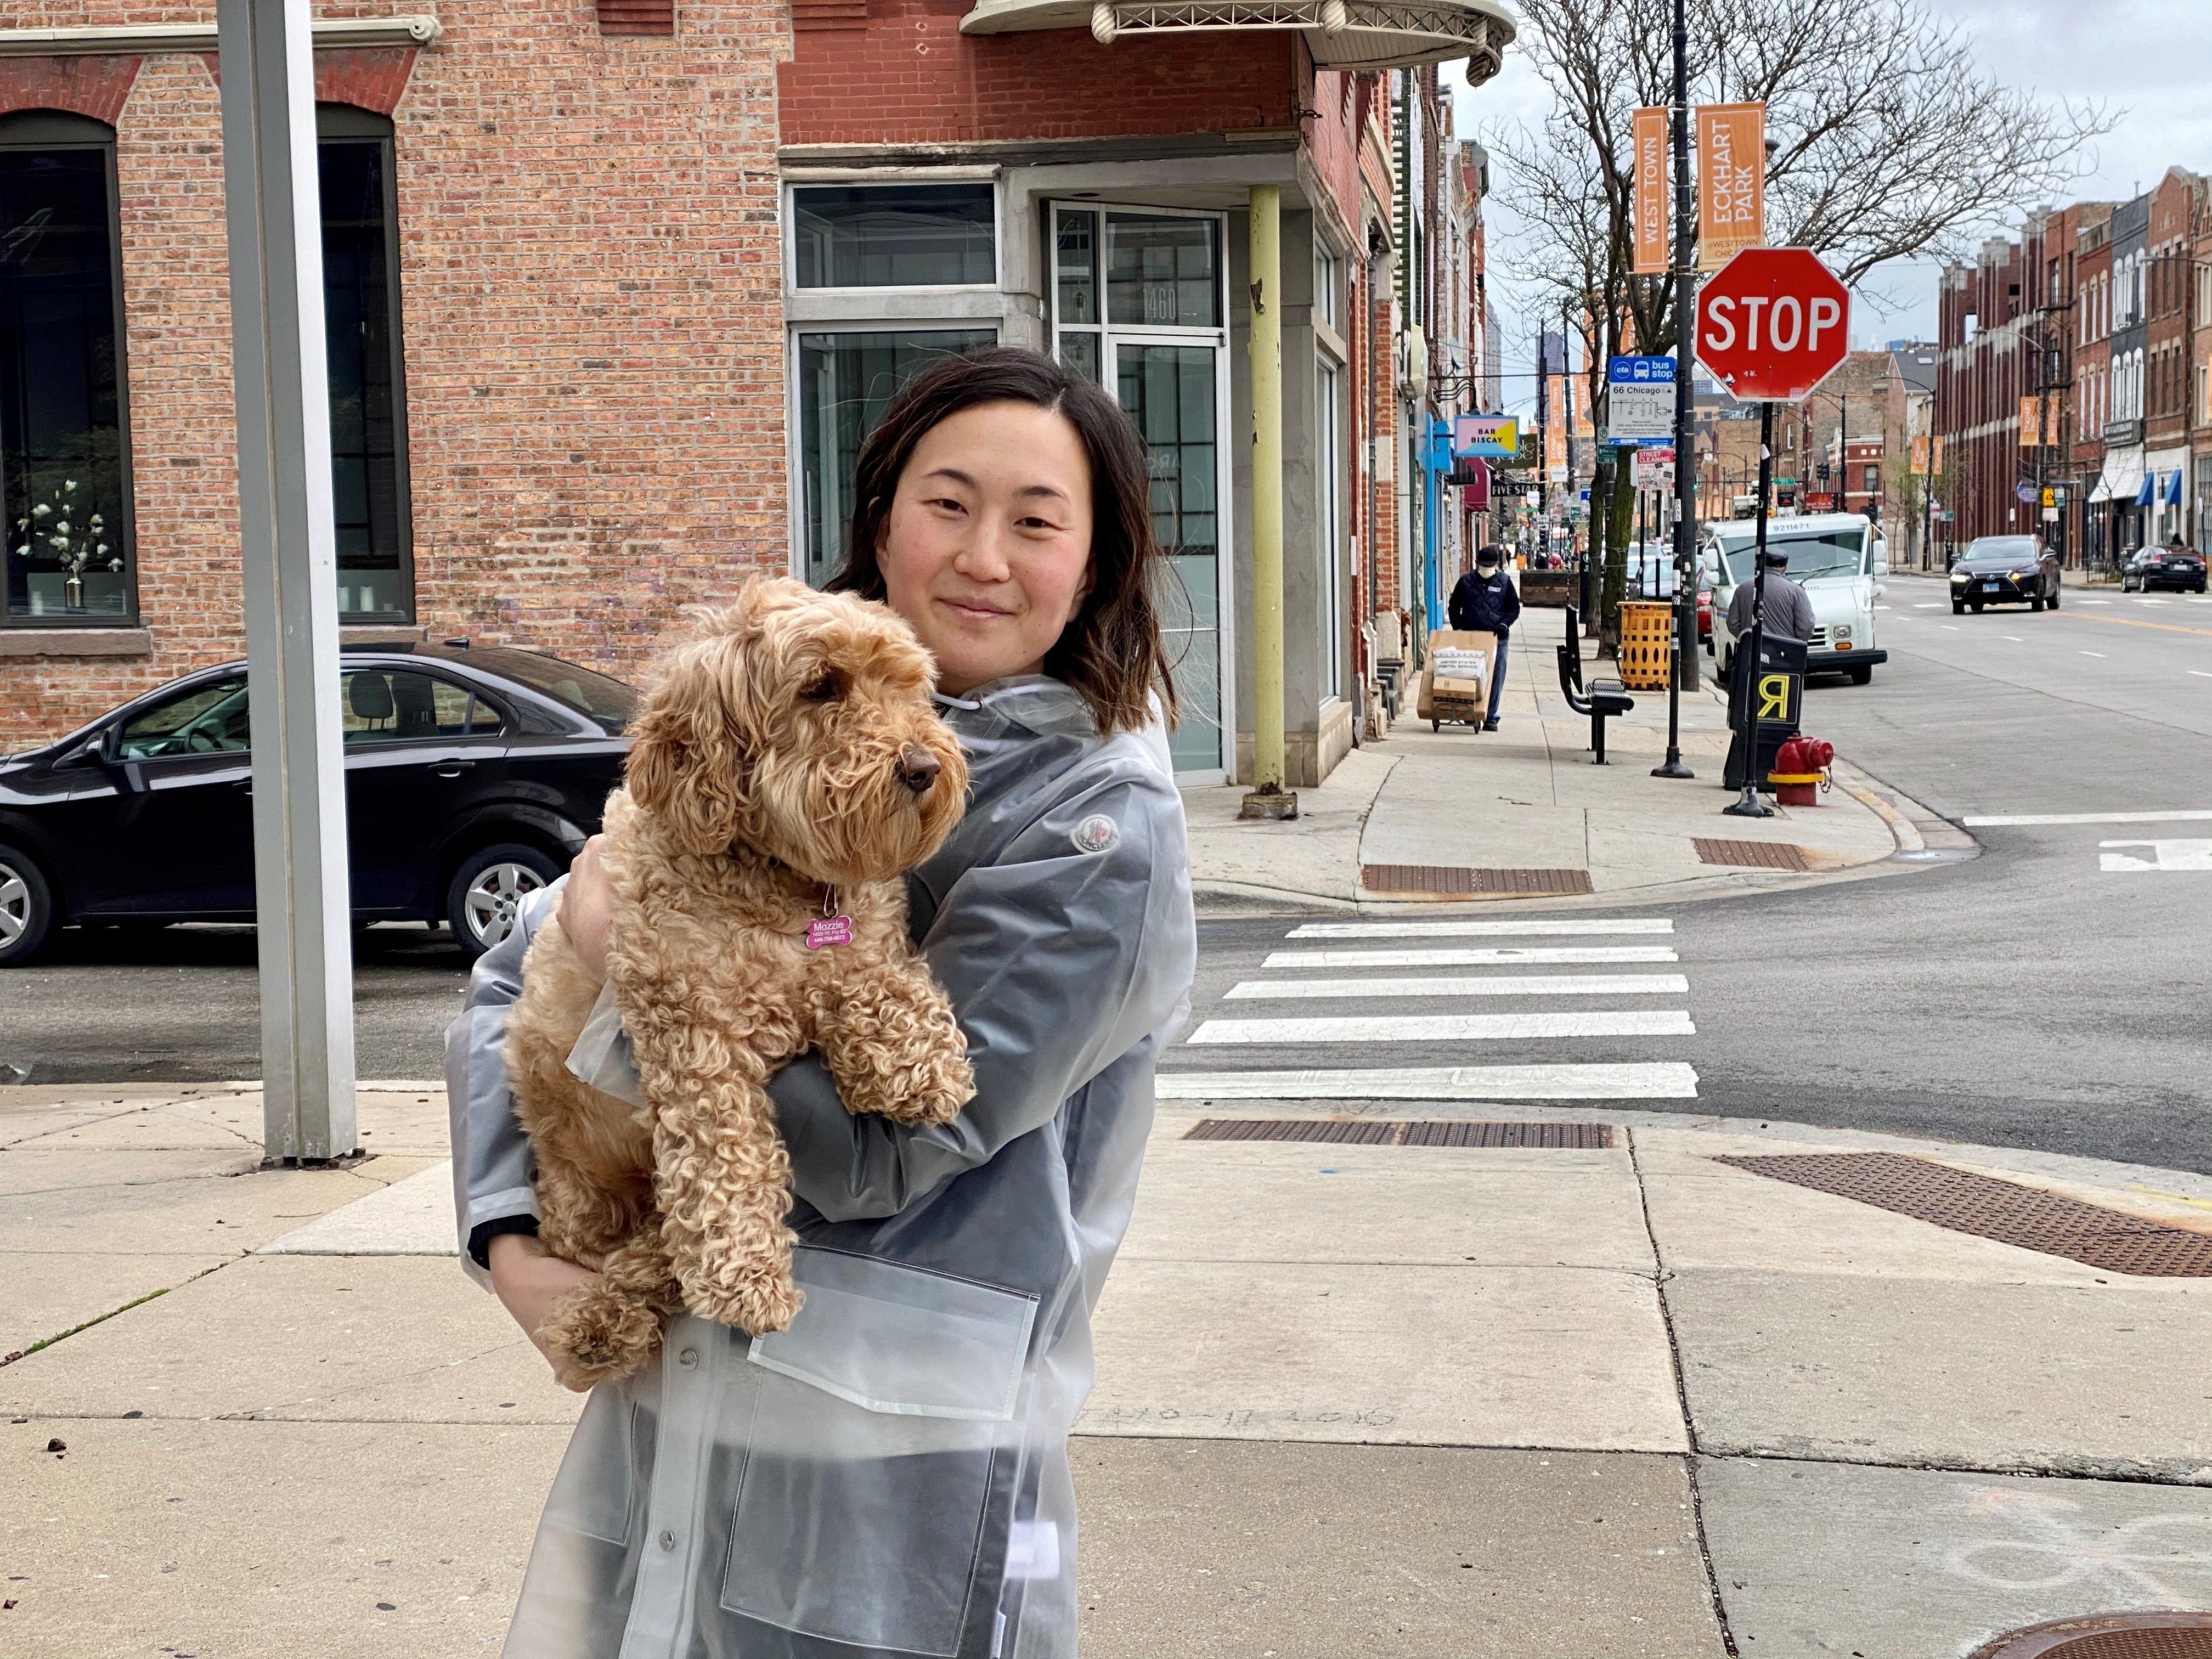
1447	1028
1478	929
1537	956
1650	1080
1503	984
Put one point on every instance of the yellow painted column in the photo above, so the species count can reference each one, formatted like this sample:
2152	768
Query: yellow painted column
1267	798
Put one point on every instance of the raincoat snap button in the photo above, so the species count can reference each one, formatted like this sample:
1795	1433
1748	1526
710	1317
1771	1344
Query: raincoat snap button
688	1359
667	1539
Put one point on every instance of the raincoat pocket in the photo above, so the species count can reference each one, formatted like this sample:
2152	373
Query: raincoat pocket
883	1451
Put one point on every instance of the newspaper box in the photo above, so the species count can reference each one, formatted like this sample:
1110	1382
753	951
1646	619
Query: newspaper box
1455	678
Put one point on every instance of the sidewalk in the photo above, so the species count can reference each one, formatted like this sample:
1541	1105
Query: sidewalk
1389	1401
1524	807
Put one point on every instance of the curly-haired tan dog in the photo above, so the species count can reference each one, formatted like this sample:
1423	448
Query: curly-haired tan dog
787	768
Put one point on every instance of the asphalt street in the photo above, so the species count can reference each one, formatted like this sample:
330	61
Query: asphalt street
2032	996
2029	997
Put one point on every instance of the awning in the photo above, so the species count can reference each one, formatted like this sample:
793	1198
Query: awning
2123	477
2173	488
2149	489
1344	34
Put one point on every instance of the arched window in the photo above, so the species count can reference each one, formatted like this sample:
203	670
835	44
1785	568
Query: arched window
65	443
368	392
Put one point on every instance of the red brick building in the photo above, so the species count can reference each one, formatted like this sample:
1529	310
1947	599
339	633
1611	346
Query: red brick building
614	292
551	270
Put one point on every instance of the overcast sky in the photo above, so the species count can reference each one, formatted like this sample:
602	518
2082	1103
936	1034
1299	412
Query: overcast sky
2151	59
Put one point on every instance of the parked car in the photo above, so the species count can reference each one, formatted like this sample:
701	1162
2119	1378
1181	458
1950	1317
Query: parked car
473	775
2179	568
2004	570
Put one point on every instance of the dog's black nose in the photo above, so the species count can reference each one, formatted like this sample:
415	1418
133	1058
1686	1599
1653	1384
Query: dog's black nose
918	768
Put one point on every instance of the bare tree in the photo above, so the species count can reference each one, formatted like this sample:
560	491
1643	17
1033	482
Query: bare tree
1889	140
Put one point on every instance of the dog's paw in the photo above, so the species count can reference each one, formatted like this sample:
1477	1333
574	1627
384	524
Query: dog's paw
758	1303
597	1335
938	1088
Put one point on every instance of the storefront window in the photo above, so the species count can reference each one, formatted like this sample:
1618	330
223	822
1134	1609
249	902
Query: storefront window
361	311
1163	272
65	467
894	236
845	382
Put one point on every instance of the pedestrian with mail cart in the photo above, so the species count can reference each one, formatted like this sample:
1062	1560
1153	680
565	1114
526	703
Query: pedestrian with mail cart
1486	600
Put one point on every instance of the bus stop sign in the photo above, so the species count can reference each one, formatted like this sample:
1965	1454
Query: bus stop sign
1773	324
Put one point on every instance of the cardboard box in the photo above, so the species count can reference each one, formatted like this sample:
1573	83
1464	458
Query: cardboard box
1457	687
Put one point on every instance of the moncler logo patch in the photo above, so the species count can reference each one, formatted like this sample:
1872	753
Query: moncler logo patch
1096	834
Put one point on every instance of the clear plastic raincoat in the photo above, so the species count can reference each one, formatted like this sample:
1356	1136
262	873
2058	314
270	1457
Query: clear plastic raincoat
890	1476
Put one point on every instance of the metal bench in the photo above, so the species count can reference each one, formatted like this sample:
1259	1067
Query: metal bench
1601	699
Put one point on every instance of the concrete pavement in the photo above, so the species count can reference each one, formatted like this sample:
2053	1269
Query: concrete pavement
1527	797
1392	1399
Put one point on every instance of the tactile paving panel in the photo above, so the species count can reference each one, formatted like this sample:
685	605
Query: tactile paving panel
1753	854
1454	878
1421	1133
2024	1217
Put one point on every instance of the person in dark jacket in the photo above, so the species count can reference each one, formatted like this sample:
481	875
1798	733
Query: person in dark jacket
1486	601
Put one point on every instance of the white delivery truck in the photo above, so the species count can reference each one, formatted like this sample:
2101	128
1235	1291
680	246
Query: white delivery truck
1838	558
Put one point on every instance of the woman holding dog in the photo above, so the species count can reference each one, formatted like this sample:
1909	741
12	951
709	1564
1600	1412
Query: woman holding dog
890	1476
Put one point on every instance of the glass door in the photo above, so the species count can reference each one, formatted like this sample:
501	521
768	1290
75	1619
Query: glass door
1138	305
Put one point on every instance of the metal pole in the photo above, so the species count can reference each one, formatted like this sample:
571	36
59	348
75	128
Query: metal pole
1686	484
1748	804
1268	798
289	549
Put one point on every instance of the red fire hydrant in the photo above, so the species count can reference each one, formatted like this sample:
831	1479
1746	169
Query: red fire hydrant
1801	769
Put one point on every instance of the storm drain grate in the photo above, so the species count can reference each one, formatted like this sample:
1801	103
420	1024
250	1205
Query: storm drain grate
1753	854
2022	1217
2109	1636
1453	879
1424	1133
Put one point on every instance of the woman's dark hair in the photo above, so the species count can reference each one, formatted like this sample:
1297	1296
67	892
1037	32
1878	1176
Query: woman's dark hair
1110	653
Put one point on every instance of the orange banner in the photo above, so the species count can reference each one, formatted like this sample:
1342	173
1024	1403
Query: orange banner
1936	452
2031	422
1731	181
1648	216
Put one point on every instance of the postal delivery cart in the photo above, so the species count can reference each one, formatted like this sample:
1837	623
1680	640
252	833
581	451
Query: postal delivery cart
1455	678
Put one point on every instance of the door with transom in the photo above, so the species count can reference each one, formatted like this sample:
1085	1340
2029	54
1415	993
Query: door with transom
1139	306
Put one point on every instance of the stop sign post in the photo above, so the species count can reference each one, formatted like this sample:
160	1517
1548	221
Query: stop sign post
1771	324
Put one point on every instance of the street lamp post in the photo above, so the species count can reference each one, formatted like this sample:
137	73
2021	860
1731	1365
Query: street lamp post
1686	454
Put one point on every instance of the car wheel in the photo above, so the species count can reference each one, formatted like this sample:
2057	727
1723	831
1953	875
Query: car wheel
1957	607
486	893
2051	602
2034	603
1862	676
1977	607
27	908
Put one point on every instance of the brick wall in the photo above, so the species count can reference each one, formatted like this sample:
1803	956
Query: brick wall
908	75
590	272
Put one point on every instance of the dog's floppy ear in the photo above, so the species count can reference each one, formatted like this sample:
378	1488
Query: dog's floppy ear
689	758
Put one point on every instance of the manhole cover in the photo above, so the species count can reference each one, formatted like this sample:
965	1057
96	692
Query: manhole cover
1458	879
1419	1132
1753	854
2108	1636
2024	1217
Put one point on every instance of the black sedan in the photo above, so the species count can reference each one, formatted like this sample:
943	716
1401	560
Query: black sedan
2180	568
2004	570
473	774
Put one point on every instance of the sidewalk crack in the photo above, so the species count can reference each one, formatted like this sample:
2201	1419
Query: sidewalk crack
101	1319
1682	1399
260	1413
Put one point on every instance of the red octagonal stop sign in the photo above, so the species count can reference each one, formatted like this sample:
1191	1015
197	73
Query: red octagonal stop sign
1773	324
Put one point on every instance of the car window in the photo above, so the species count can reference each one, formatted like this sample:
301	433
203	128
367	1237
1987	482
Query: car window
207	719
460	711
395	705
604	701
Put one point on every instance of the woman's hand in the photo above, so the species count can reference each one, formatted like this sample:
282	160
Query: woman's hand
528	1282
587	909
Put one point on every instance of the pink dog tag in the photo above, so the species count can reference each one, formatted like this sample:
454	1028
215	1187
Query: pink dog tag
830	930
